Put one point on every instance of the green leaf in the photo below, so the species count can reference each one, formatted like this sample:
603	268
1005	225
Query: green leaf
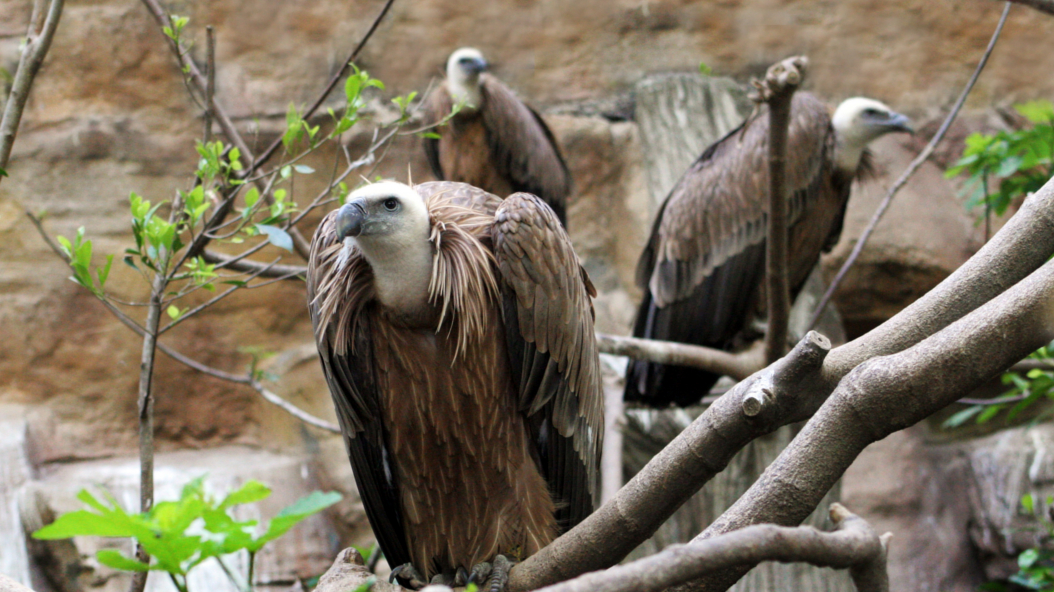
174	312
1027	503
104	272
3	172
252	491
303	169
84	523
1028	558
115	559
1037	111
961	417
278	237
251	197
705	70
311	503
989	412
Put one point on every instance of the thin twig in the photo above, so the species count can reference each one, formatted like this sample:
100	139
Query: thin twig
245	379
210	83
37	46
908	172
269	152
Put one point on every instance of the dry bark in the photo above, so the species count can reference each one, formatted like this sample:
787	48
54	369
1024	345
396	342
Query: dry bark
799	386
853	545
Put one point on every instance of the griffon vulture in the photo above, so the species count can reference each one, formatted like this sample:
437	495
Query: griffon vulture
495	141
455	331
703	265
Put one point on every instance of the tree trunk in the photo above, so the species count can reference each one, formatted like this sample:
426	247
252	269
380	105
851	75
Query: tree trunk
680	115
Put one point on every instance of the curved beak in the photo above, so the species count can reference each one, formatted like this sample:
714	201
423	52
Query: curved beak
899	122
476	66
350	218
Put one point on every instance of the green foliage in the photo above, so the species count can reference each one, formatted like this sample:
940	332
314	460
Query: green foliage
705	70
1035	566
1020	160
1025	391
179	535
79	253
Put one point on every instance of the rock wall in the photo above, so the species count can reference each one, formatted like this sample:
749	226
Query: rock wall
109	115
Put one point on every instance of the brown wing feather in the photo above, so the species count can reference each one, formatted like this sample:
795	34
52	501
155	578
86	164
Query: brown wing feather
549	330
337	295
719	206
522	146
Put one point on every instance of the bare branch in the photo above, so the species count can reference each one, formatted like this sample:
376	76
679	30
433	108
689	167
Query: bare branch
258	269
777	89
37	46
210	82
737	366
852	545
293	409
907	174
1046	6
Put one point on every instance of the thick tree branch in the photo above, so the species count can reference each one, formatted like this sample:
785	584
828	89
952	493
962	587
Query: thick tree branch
38	43
796	386
887	394
777	89
852	545
907	174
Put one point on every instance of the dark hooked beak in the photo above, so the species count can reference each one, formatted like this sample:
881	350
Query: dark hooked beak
350	218
476	66
899	123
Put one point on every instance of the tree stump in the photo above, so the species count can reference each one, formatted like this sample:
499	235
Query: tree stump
680	115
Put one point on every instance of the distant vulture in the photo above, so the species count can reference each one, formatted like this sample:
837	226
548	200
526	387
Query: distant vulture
495	142
703	267
455	331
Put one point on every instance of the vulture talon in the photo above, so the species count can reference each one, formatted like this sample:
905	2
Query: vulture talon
407	573
461	578
480	573
499	576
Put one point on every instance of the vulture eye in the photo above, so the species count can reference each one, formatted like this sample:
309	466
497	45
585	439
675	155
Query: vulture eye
872	112
391	204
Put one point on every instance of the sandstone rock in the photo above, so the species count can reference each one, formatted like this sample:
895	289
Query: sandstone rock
925	235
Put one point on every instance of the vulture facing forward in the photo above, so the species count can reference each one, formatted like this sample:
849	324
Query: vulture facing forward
455	331
495	142
703	267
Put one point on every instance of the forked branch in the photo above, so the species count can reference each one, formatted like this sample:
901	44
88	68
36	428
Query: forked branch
853	545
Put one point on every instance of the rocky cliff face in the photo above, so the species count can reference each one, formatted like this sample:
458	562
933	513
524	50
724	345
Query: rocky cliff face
109	115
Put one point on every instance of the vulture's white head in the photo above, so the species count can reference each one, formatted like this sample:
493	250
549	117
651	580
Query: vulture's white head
857	122
463	69
389	222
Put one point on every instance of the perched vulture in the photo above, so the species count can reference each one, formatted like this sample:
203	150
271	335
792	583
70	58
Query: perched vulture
495	141
705	261
455	331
